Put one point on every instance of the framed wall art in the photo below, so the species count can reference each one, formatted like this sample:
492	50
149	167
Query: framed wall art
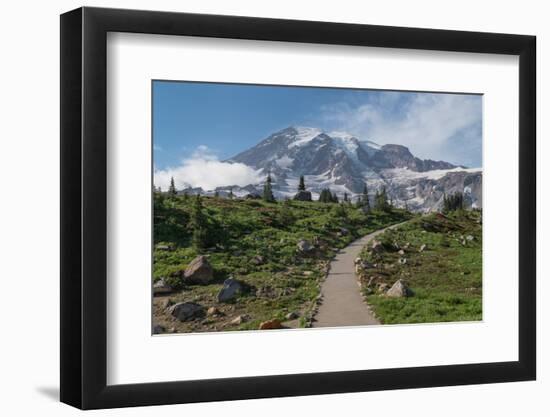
256	208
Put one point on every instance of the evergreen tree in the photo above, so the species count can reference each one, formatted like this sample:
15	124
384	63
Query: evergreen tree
231	195
268	191
199	224
365	199
453	202
216	194
325	196
334	198
302	185
359	202
346	200
381	200
172	188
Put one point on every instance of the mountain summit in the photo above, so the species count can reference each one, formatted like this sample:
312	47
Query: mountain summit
344	163
338	157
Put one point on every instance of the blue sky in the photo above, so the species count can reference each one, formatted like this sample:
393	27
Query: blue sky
221	120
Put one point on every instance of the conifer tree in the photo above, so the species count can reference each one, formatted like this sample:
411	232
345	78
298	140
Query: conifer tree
365	199
172	188
325	196
334	198
231	195
346	197
302	185
268	191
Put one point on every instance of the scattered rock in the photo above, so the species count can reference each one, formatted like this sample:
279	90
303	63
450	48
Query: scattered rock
158	329
199	271
401	252
307	273
167	302
422	248
344	231
161	287
213	311
186	311
402	261
270	325
292	315
357	260
258	260
305	246
164	247
231	288
240	319
383	287
469	238
377	246
253	196
302	196
399	289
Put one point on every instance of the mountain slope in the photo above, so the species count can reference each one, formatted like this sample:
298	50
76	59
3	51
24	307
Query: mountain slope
343	163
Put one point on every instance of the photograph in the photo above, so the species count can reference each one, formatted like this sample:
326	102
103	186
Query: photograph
285	207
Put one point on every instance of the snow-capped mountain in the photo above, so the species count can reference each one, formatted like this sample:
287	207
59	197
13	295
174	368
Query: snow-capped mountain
343	163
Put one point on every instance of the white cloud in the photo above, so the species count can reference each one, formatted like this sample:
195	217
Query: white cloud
203	169
429	124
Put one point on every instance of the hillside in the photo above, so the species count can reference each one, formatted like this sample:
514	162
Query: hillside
438	258
276	252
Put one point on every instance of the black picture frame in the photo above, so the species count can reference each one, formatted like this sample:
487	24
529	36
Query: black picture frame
84	207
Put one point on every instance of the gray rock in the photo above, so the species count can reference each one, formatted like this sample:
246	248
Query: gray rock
383	287
161	287
258	260
231	288
292	315
199	271
344	231
469	238
401	252
422	248
164	247
186	311
399	289
402	261
305	246
240	319
158	329
377	246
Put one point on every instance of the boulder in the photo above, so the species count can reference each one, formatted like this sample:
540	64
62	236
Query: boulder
231	288
469	238
383	287
399	289
292	315
164	247
357	260
258	260
377	246
240	319
186	311
302	196
161	287
305	246
158	329
213	311
199	271
401	252
270	325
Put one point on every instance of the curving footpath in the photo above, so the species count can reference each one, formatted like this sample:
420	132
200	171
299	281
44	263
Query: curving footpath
342	302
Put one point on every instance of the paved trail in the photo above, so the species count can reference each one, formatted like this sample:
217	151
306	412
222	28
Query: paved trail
343	303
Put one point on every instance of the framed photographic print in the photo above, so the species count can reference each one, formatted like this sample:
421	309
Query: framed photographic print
257	208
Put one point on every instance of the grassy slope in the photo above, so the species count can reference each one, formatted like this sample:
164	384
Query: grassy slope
445	277
241	230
